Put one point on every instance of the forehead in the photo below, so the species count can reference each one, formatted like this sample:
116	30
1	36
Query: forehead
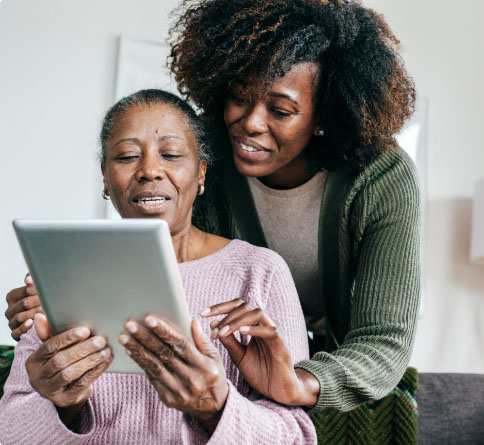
300	81
156	119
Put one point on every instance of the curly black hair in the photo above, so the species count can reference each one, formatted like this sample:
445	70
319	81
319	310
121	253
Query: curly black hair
364	94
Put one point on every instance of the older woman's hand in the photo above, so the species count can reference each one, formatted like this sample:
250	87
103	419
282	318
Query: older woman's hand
23	303
265	361
189	377
65	366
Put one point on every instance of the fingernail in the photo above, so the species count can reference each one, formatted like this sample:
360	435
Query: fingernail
28	279
224	330
205	312
123	339
105	352
131	327
82	332
29	323
215	333
99	342
128	351
244	329
151	321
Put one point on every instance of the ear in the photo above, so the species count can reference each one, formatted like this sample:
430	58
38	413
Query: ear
105	180
202	170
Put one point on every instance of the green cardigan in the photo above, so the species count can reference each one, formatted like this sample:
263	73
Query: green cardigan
369	266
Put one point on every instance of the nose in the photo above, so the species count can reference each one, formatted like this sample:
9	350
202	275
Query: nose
254	122
150	168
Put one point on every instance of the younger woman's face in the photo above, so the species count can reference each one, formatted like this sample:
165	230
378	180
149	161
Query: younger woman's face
270	132
152	168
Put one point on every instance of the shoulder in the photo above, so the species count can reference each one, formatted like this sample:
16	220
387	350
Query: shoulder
391	177
248	258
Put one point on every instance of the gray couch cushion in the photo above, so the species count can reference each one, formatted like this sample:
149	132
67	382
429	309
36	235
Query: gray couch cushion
451	409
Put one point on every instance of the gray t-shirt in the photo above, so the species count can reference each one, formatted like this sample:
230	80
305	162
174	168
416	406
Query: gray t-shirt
290	221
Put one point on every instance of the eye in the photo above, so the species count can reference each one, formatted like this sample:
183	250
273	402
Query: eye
171	156
240	100
127	158
281	113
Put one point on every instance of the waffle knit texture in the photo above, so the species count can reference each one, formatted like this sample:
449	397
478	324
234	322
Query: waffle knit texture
369	267
389	421
125	408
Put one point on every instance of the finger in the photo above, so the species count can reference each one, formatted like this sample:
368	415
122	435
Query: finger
31	289
22	305
61	341
179	342
16	294
233	322
155	369
149	340
71	373
42	327
92	375
21	317
75	354
202	342
22	329
235	349
164	393
28	279
221	308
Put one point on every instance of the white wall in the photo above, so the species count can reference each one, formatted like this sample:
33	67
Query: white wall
57	78
442	42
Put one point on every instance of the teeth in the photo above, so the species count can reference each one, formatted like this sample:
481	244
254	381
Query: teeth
152	201
248	148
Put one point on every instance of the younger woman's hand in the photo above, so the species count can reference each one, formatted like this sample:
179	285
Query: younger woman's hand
187	376
265	361
23	303
65	366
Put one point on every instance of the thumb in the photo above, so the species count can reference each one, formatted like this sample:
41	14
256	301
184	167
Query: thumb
235	349
202	342
42	327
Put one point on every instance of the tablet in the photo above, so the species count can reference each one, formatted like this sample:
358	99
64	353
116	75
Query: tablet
97	273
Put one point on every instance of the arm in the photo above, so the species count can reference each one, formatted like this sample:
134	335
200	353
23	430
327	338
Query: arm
371	358
240	419
46	389
266	362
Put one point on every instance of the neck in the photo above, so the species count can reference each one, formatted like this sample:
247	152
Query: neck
188	243
289	176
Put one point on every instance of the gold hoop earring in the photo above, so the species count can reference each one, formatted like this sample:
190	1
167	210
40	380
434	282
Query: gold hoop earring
105	194
201	189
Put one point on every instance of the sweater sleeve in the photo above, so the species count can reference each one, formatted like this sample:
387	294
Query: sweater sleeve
25	416
385	223
253	419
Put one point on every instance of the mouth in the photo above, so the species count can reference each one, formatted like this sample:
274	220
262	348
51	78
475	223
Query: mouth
151	202
249	150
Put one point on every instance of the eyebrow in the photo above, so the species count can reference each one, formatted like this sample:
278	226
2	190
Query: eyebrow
283	96
137	141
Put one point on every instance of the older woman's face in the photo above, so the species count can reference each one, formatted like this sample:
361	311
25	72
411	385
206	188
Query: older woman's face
152	168
269	133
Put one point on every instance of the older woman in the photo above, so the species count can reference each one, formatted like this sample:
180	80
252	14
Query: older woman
154	164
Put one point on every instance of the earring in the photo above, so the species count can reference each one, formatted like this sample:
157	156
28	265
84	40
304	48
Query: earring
320	132
201	189
105	194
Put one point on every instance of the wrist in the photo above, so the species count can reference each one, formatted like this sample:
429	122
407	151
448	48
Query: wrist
67	413
310	388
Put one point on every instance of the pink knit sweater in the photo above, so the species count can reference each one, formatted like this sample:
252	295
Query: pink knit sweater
125	408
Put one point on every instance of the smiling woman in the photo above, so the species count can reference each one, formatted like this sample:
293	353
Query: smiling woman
154	160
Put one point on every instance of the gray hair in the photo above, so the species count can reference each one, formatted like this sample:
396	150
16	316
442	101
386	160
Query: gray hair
153	97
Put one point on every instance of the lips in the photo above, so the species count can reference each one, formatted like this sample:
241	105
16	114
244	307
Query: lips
151	198
151	203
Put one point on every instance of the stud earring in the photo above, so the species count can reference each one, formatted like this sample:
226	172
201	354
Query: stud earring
105	194
320	132
201	189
